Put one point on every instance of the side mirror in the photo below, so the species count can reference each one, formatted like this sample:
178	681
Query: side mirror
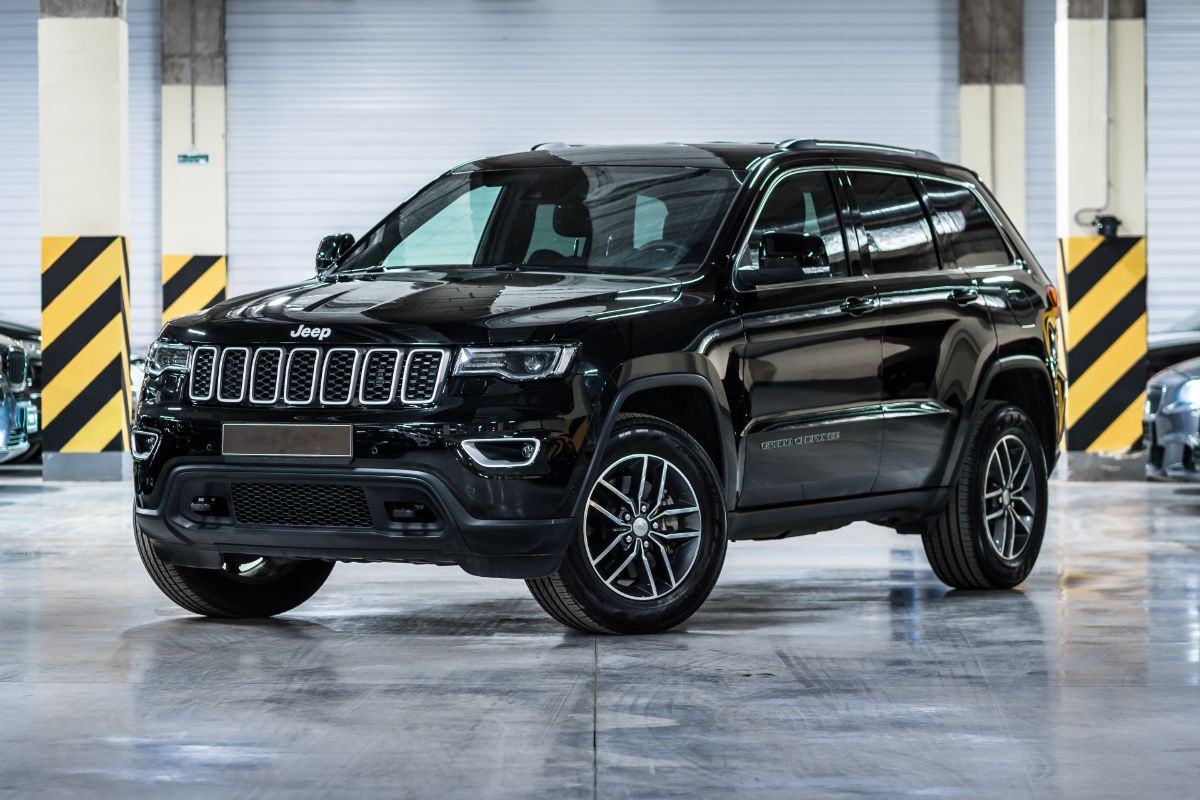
785	257
332	248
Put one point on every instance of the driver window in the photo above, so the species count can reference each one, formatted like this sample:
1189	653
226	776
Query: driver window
802	205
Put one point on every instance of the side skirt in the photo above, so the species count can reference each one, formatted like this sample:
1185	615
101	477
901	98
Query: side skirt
893	509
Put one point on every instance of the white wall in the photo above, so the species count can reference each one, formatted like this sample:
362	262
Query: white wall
338	109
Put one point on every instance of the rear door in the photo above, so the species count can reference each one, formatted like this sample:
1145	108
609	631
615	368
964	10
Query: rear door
936	329
811	358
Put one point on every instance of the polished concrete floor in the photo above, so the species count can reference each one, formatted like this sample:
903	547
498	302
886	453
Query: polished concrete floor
830	666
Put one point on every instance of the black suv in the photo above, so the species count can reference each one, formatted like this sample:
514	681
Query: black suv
591	367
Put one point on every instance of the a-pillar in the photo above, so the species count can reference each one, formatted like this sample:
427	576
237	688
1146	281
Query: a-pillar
83	97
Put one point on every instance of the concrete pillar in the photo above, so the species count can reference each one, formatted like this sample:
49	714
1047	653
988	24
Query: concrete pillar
194	272
1100	91
991	96
83	98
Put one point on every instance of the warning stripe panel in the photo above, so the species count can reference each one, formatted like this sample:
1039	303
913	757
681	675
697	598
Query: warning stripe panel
1105	326
192	283
85	359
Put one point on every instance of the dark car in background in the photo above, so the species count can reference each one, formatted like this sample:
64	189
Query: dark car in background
1171	429
30	340
16	409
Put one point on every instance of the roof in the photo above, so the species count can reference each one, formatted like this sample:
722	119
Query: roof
705	155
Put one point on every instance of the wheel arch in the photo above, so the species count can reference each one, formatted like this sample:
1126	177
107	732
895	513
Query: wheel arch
666	395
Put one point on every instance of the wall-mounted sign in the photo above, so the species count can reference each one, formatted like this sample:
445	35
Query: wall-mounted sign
192	159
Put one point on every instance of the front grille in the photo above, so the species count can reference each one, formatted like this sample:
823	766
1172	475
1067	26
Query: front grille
313	376
300	505
1154	396
14	365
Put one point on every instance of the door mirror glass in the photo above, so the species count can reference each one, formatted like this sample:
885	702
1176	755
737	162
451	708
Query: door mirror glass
785	257
332	248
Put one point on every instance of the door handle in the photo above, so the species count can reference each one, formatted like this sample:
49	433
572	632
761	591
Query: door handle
964	295
854	306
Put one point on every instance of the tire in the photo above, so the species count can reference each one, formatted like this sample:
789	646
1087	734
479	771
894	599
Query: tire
274	586
976	542
665	574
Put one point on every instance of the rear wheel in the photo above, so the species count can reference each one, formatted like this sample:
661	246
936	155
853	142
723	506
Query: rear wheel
244	586
990	533
652	539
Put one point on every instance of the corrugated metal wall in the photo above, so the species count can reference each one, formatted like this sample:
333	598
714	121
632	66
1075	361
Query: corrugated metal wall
1039	132
338	109
1173	159
20	257
145	143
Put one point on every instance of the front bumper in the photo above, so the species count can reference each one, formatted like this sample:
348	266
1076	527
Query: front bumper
197	520
1172	437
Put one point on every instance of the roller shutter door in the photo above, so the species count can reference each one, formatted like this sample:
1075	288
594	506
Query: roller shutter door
1040	188
1173	159
20	257
338	109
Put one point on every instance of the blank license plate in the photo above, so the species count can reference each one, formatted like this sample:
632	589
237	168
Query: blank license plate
250	439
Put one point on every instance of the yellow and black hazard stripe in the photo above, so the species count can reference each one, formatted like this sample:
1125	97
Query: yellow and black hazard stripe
1105	324
191	283
85	344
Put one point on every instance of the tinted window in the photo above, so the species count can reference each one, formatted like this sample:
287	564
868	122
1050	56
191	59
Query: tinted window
964	227
620	219
898	235
803	204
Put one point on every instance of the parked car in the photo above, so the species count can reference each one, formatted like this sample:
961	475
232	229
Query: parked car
591	367
31	341
15	408
1171	429
1180	343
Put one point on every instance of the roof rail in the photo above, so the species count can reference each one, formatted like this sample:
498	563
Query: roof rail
553	145
812	144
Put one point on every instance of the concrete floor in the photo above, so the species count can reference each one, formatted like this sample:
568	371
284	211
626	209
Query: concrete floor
830	666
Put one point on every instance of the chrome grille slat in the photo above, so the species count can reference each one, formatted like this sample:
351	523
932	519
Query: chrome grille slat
273	375
204	373
266	375
337	376
232	374
380	374
300	384
424	372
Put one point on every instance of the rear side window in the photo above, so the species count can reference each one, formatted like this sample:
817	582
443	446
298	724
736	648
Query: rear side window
964	227
899	238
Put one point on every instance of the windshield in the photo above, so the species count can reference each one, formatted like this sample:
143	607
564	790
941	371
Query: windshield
625	220
1190	324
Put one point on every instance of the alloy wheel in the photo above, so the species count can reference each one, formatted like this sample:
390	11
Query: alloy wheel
642	527
1010	498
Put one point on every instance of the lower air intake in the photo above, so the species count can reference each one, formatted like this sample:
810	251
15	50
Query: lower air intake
300	505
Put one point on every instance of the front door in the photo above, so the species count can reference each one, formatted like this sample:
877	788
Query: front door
811	358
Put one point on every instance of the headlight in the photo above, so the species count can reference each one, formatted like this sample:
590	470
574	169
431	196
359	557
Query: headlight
524	363
1189	393
162	357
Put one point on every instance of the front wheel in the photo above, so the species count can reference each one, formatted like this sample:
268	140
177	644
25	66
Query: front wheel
244	586
990	533
651	542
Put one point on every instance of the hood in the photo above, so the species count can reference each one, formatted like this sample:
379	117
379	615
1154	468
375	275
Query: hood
1178	373
427	307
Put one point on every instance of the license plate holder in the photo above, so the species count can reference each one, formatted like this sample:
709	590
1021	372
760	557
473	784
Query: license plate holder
286	440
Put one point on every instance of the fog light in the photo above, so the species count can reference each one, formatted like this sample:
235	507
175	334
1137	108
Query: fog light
143	444
502	453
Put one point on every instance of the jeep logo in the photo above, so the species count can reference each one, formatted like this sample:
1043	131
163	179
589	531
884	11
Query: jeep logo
304	332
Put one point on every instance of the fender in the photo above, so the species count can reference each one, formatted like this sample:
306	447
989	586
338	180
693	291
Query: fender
720	409
997	366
